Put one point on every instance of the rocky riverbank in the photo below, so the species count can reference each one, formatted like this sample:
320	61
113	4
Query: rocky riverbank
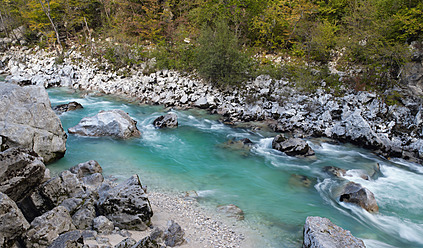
361	118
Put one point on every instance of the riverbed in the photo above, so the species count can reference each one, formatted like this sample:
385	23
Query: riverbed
275	191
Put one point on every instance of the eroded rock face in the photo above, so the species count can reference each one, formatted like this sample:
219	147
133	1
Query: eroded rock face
356	194
13	223
59	109
27	121
20	172
47	227
322	233
169	120
292	147
114	123
126	205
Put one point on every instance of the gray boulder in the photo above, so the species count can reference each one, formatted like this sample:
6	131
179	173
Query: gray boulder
322	233
169	120
12	222
174	235
115	123
59	109
126	243
83	217
356	194
47	227
20	172
72	239
103	225
292	147
27	121
87	168
126	205
146	242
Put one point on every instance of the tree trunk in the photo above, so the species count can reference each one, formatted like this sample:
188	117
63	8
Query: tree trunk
47	12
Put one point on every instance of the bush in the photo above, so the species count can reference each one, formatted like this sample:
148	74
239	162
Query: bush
219	58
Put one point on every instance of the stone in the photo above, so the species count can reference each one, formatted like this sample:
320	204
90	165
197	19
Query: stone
20	173
292	147
87	168
356	194
103	225
174	235
201	103
126	205
12	222
72	239
322	233
27	121
334	171
169	120
126	243
84	216
231	211
114	123
62	108
47	227
146	242
62	187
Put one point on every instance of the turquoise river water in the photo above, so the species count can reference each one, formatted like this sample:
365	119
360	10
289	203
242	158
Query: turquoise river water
260	181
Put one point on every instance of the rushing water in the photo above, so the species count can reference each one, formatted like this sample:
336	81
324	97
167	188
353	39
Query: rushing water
260	181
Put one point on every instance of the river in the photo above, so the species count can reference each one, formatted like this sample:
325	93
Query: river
261	181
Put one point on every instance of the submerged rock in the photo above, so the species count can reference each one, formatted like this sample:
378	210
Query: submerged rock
169	120
292	147
232	211
322	233
356	194
12	222
27	121
20	172
115	123
59	109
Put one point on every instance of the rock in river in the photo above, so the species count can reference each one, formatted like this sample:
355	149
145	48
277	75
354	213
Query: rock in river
168	120
115	123
27	121
322	233
292	147
356	194
59	109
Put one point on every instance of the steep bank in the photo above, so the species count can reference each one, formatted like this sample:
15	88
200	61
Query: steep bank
361	118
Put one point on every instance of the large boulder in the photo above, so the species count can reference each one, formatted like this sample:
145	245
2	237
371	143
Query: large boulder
87	168
12	222
168	120
47	227
59	109
356	194
27	121
322	233
292	147
20	172
115	123
126	205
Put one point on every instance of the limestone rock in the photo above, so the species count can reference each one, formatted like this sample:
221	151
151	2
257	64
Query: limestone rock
20	172
87	168
27	121
168	120
115	123
356	194
72	239
126	243
322	233
59	109
126	205
292	147
47	227
146	242
174	235
83	217
12	222
232	211
103	225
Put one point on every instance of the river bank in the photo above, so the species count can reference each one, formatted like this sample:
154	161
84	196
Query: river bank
361	118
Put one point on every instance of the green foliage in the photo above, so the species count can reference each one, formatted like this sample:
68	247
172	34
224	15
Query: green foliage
179	56
219	58
121	56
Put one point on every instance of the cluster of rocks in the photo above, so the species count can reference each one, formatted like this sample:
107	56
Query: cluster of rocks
77	205
362	118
